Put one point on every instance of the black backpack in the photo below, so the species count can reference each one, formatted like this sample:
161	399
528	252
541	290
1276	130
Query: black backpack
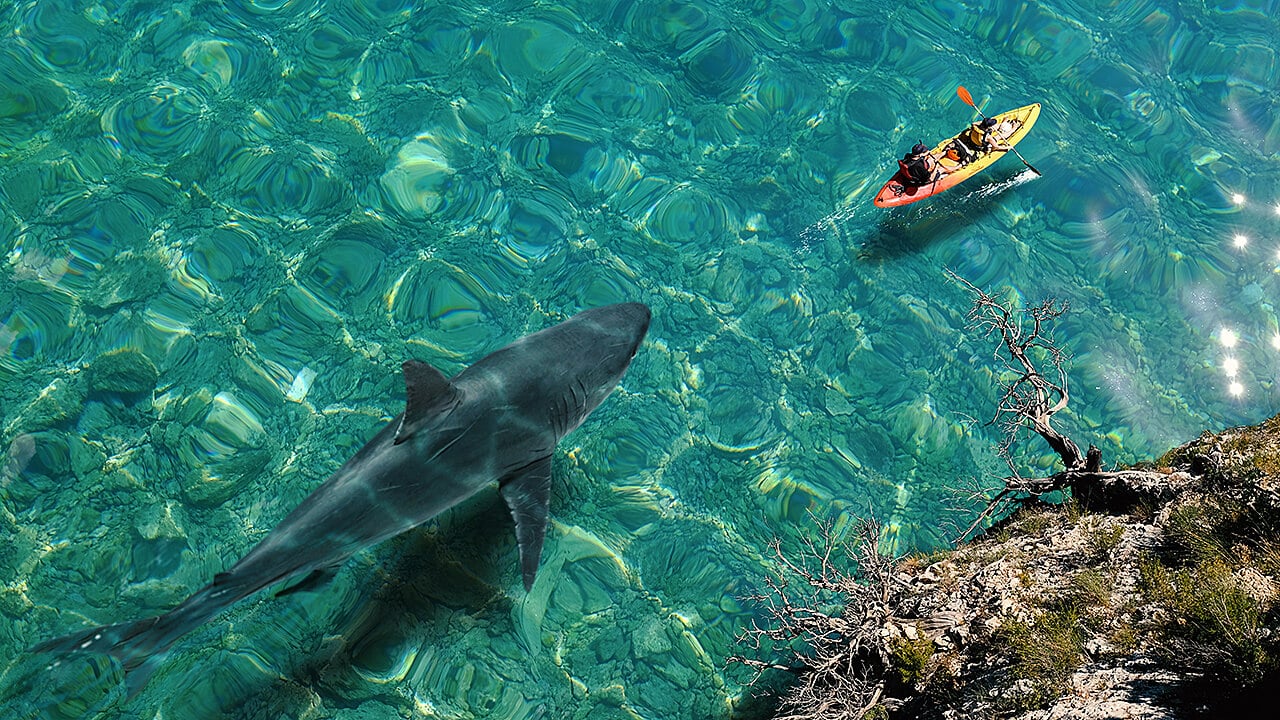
916	170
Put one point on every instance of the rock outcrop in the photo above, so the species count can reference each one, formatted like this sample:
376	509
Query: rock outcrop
1158	600
1152	594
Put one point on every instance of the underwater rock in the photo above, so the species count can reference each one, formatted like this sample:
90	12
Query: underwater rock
157	559
344	268
125	371
59	402
653	638
416	184
231	425
719	64
36	461
209	489
124	278
612	644
225	679
383	654
186	412
156	555
371	710
838	403
17	555
14	602
223	451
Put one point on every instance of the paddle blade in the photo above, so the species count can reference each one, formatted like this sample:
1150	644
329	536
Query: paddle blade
965	96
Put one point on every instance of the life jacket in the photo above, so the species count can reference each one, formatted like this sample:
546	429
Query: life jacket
977	137
916	170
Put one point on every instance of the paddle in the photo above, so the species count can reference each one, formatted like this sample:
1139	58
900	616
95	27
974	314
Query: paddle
965	96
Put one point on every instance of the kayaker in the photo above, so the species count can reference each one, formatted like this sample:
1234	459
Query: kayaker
980	138
918	165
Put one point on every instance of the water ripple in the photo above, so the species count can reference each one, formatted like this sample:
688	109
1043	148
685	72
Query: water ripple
533	229
298	182
163	123
38	329
719	64
66	40
224	256
274	201
533	52
666	25
29	101
447	306
271	11
415	186
343	269
608	95
687	214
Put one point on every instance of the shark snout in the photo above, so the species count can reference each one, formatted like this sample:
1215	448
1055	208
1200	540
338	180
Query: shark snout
634	318
623	324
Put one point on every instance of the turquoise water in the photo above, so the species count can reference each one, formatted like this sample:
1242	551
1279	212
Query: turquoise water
226	224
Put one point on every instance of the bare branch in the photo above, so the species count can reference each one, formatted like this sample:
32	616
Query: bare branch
1029	395
842	660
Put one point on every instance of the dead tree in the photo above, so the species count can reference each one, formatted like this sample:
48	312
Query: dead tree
841	655
1030	397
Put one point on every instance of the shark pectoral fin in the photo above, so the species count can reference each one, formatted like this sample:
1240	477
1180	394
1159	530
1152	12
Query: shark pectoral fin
429	394
527	493
317	579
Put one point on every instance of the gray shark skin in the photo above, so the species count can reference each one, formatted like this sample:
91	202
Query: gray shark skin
497	421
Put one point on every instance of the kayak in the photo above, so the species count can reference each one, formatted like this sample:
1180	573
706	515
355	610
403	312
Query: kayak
1010	128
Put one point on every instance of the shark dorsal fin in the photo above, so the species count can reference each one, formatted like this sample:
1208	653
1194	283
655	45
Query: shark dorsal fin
527	492
429	394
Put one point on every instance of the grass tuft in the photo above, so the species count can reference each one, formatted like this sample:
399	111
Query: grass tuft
910	659
1046	651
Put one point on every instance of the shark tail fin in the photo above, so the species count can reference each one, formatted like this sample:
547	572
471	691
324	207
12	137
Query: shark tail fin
138	646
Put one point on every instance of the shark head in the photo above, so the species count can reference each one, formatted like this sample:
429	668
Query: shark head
551	379
560	374
598	346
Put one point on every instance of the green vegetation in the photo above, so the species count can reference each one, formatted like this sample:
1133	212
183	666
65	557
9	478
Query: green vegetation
1102	537
1236	458
1216	624
1090	589
877	712
1194	533
1045	651
1010	614
910	659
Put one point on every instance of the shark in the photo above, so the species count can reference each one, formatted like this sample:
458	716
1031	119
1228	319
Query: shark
496	422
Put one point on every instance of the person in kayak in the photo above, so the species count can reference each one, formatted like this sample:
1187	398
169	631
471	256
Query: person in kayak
918	165
978	138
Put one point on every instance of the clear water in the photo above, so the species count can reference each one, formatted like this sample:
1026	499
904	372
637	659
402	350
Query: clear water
225	224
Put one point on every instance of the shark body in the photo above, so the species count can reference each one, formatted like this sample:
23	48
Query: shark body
497	421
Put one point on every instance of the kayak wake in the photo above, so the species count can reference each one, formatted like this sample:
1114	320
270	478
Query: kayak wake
995	188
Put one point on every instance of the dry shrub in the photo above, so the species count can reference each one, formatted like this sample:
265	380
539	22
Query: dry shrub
827	623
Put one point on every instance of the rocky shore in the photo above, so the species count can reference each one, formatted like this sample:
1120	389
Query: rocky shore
1154	597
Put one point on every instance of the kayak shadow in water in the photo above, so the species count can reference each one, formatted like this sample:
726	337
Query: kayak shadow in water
912	229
